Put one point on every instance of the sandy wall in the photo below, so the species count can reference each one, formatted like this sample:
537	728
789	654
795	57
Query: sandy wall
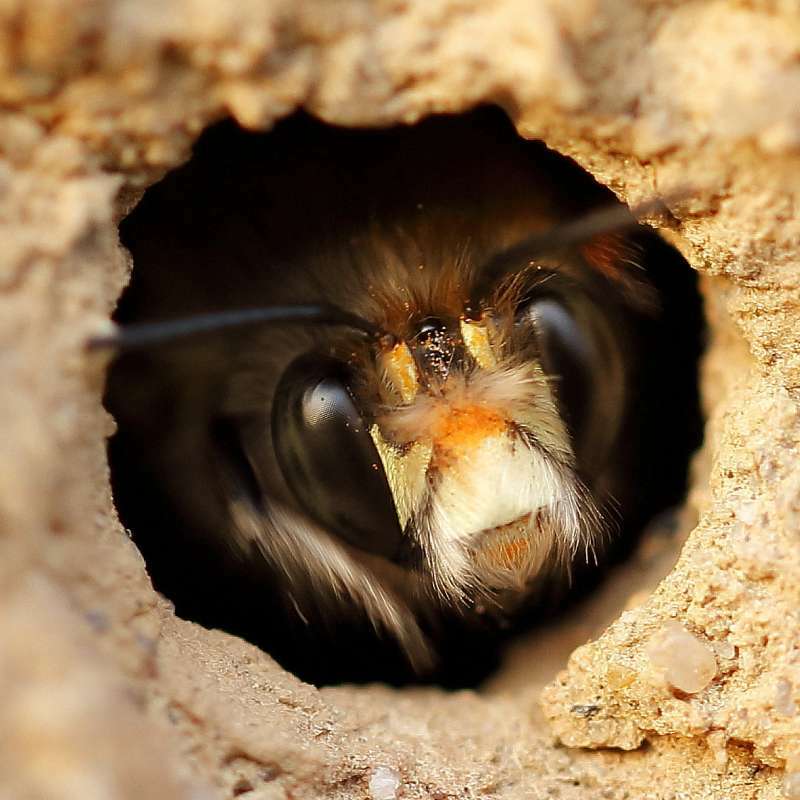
692	692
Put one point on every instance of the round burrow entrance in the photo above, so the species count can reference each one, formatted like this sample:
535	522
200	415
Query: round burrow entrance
299	215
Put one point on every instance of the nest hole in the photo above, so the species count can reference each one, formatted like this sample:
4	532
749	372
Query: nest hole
197	244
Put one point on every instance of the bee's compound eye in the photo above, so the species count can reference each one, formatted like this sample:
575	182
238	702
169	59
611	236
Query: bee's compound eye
328	458
570	349
559	333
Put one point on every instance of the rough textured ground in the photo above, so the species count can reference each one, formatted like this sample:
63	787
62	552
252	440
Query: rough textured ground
104	694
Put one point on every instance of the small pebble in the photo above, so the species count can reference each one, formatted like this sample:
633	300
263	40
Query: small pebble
687	664
384	783
726	650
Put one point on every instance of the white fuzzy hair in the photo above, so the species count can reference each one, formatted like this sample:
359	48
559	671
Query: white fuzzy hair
530	471
318	565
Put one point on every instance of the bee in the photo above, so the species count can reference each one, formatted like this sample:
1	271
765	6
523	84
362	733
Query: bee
376	374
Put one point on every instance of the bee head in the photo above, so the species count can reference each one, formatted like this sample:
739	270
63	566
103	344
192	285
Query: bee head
448	446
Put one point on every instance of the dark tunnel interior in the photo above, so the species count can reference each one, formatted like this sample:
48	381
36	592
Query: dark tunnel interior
198	572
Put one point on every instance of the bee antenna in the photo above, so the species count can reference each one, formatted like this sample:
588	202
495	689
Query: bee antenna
608	219
140	335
